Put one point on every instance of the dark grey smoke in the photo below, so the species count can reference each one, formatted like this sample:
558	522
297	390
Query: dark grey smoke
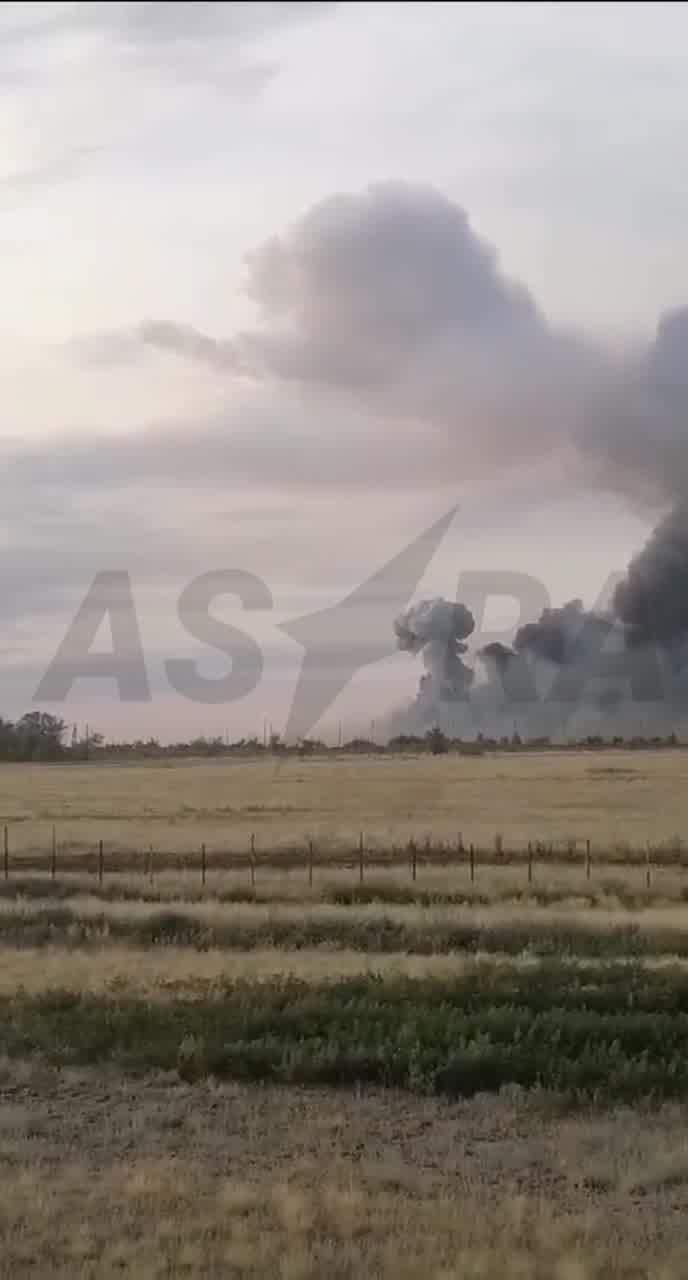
652	600
509	678
570	672
563	635
437	628
499	654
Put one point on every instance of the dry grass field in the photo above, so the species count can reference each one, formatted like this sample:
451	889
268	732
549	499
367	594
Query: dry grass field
615	799
224	1180
108	1176
316	1076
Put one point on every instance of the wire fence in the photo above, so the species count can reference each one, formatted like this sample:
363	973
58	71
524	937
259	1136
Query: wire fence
412	856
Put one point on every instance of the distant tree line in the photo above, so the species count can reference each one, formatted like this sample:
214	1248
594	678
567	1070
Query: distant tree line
38	736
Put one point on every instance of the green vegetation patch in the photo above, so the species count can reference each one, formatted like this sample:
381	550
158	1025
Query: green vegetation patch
608	1033
63	925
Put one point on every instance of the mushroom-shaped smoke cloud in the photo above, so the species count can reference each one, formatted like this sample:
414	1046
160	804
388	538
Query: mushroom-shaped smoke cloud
437	628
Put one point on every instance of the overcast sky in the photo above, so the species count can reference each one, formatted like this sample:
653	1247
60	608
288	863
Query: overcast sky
284	284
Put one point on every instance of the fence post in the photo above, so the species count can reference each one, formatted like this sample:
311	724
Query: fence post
100	862
6	851
310	864
360	857
460	844
472	857
647	866
53	855
587	859
530	862
203	864
414	858
150	864
253	860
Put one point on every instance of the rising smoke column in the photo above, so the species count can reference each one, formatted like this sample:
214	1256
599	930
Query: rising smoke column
437	628
572	671
577	658
652	601
509	679
565	635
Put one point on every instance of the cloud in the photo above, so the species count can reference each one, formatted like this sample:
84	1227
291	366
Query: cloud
66	165
88	77
182	39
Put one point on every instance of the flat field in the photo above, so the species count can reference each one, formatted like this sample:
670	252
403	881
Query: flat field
291	1075
617	800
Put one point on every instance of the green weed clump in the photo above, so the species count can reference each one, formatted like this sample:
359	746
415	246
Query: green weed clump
613	1033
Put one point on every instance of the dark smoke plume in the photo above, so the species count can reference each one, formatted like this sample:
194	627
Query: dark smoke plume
437	629
565	635
509	678
499	654
652	600
572	669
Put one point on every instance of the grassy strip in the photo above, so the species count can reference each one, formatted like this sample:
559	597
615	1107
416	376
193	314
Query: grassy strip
170	973
335	853
608	891
624	897
367	933
612	1033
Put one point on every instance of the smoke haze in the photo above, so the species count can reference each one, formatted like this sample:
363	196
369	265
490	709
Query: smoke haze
391	301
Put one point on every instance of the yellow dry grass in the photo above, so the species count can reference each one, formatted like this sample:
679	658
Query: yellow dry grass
174	1221
108	1177
672	917
612	798
170	972
608	882
102	1175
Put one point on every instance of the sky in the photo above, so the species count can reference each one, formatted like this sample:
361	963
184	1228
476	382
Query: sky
284	285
